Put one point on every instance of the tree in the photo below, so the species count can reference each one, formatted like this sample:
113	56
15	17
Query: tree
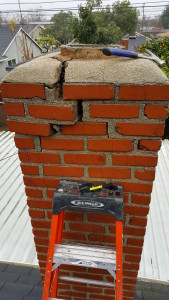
92	27
159	47
48	43
61	30
85	27
165	18
125	16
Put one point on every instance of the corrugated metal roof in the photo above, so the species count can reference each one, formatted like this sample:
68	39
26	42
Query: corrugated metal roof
155	257
16	238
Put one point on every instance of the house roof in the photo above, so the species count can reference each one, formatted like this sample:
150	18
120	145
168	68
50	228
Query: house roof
6	36
16	238
163	34
25	284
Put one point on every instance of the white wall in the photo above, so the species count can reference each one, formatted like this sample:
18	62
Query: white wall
15	51
36	33
16	48
3	71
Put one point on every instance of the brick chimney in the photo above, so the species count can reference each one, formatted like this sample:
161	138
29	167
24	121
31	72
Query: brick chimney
80	116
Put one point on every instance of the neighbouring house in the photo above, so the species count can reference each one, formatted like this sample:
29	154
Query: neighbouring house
15	47
152	31
163	34
35	28
133	42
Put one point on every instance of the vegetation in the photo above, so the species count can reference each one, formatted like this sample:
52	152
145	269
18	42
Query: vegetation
94	25
165	18
48	43
160	48
62	29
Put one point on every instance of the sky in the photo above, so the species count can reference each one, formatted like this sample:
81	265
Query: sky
152	8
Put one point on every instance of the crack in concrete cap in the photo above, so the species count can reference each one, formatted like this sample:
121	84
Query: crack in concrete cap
115	70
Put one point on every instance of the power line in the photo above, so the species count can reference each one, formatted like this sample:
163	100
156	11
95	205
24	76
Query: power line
66	1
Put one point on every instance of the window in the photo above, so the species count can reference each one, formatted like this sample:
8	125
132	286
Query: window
11	62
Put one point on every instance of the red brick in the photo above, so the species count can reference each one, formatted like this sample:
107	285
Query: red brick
149	145
156	111
29	128
30	170
128	294
73	216
131	92
78	236
40	233
127	273
41	182
132	250
134	231
131	258
60	113
136	210
145	174
100	218
50	193
36	214
41	241
148	92
101	238
138	222
136	187
100	297
156	92
114	111
62	144
140	129
63	171
84	128
42	257
24	142
87	91
41	224
14	109
16	90
34	203
84	159
140	199
130	266
107	145
33	193
86	227
39	157
49	213
42	249
134	160
122	173
135	242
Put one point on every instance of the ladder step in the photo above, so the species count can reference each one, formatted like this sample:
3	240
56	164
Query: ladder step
84	255
87	281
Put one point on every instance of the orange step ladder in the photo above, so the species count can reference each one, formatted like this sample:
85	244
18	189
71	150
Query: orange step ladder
87	197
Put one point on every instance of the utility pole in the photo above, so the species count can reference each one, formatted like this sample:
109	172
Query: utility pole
142	23
24	41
